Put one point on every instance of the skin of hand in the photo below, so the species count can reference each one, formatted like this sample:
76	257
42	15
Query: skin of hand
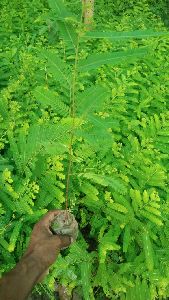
42	251
43	244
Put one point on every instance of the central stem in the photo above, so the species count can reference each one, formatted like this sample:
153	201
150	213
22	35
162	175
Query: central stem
72	114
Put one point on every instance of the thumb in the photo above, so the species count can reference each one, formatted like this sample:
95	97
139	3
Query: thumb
62	241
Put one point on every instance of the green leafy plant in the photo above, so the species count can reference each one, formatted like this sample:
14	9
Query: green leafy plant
93	138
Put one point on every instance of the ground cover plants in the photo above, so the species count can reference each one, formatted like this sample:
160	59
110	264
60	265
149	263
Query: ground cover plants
84	118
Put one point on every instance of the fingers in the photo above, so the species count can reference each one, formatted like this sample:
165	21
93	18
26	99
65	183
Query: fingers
62	241
44	224
46	220
42	228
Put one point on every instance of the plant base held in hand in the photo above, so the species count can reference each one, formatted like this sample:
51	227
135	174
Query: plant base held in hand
65	224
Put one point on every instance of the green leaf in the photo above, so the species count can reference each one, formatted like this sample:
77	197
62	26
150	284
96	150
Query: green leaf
4	243
91	100
85	279
58	7
151	217
57	67
35	216
3	108
115	183
118	207
48	97
96	60
140	291
148	252
107	244
138	34
105	123
14	236
39	139
97	132
68	34
7	201
126	238
90	190
4	164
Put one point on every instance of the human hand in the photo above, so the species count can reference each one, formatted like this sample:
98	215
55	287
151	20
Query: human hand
44	246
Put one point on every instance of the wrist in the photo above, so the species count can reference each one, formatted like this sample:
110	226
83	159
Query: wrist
33	260
18	283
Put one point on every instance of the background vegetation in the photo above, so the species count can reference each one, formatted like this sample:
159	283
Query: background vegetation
67	109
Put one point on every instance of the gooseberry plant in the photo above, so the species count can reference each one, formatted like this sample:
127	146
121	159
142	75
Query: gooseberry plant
94	152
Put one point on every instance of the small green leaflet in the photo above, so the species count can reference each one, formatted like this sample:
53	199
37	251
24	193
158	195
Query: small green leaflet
140	291
40	138
14	236
7	202
139	34
3	108
96	60
56	66
4	243
85	279
68	34
106	123
148	251
91	100
48	97
107	244
115	183
58	7
67	31
4	164
126	238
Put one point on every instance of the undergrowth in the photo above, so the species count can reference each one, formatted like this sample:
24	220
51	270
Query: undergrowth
84	116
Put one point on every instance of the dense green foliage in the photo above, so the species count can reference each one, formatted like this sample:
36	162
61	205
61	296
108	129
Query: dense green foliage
96	101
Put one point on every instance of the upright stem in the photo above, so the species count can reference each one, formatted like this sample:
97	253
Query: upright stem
88	13
72	114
